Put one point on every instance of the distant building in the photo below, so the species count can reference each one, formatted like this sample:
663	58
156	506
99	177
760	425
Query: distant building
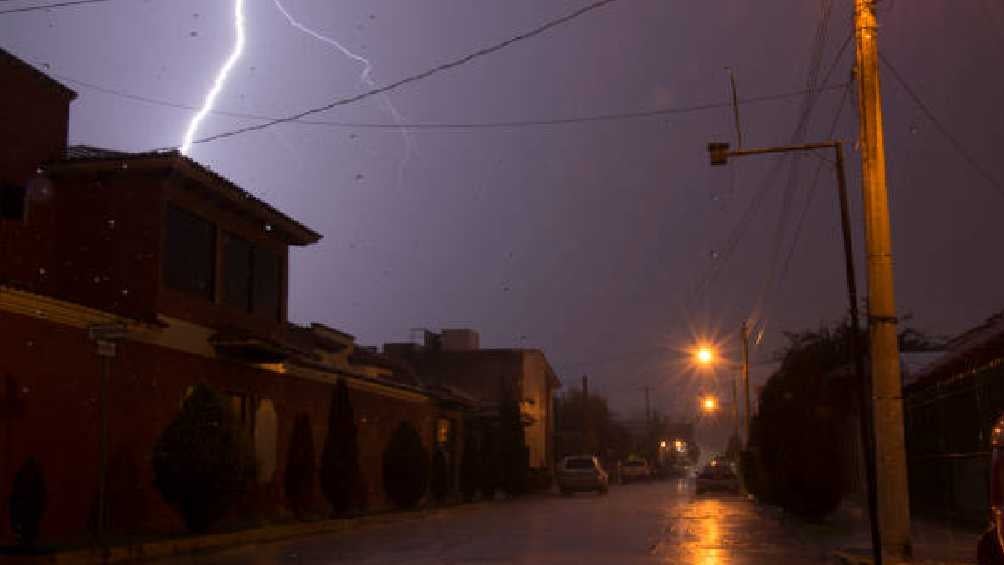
452	360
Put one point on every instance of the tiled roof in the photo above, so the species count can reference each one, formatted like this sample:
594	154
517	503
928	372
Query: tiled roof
78	154
968	350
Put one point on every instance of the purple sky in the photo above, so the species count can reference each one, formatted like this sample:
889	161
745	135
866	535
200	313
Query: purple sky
584	240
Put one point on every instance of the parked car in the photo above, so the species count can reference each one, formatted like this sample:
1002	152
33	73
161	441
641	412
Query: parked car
635	469
990	549
717	475
581	473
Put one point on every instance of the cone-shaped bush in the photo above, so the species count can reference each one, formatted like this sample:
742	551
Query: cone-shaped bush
27	502
202	461
470	467
440	484
405	467
340	475
300	467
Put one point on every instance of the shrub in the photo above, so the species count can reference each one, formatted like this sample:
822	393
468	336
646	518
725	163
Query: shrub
440	483
470	467
539	479
202	461
514	453
300	466
405	467
27	502
340	459
490	463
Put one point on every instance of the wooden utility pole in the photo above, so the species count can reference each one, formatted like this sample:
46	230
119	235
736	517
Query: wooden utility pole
887	387
745	334
648	409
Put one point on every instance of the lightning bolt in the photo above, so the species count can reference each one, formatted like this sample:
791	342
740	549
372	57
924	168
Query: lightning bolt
221	78
365	78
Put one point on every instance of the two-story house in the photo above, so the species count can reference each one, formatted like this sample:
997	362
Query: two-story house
188	274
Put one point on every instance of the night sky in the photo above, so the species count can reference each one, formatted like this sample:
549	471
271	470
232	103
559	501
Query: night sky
587	240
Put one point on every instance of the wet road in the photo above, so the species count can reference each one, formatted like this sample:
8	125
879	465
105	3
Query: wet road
661	522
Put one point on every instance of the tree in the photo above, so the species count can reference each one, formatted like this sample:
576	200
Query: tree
440	483
491	460
340	474
405	467
300	466
202	461
513	450
470	465
27	502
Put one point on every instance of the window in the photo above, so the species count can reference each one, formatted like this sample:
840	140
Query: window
189	253
267	284
252	277
12	203
442	431
237	267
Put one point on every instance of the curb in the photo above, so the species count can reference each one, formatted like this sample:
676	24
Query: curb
218	542
855	558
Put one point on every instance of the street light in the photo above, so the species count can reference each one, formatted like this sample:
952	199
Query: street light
705	355
709	404
678	444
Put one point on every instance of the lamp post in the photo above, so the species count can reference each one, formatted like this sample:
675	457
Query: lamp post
105	336
719	154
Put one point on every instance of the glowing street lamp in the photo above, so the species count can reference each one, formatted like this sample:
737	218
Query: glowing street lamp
709	404
704	355
678	445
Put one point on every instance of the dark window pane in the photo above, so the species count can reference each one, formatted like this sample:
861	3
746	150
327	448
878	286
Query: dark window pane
189	253
237	261
267	283
12	202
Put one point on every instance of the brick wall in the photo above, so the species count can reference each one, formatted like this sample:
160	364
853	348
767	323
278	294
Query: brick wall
49	377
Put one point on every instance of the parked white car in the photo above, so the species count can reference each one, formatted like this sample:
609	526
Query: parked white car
581	473
635	470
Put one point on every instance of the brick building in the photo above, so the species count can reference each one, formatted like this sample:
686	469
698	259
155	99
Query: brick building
454	360
193	272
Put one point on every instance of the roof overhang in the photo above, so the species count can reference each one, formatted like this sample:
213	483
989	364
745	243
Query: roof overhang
209	184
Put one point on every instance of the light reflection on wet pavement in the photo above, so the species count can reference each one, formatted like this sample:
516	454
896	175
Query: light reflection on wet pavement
663	522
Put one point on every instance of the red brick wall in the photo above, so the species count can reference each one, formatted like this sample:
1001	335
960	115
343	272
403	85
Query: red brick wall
92	241
52	374
33	120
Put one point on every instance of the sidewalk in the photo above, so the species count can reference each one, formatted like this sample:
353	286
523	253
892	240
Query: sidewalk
933	542
215	542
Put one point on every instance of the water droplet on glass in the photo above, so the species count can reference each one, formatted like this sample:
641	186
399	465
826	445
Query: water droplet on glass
125	292
25	390
714	254
111	224
268	227
125	165
193	34
372	17
914	130
46	66
97	280
353	135
41	271
252	69
195	15
359	176
29	343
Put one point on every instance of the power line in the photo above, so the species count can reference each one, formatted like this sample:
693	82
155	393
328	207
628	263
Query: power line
416	77
955	143
451	125
50	6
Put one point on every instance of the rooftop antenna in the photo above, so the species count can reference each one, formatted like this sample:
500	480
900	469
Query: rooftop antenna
735	107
